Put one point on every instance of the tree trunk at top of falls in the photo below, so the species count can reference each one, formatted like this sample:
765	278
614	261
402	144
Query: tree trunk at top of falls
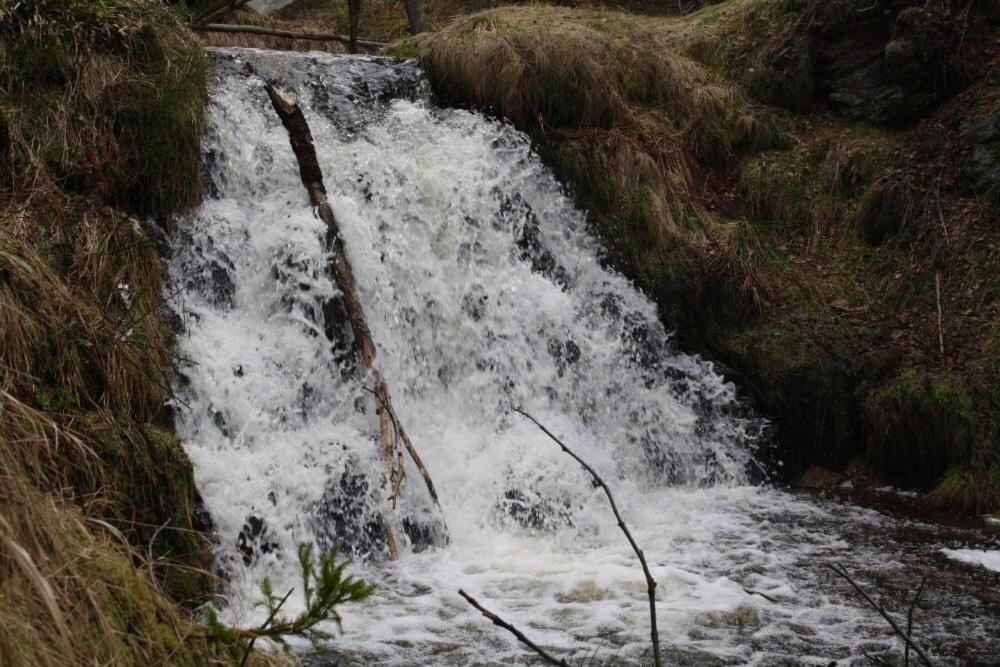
415	15
392	435
354	16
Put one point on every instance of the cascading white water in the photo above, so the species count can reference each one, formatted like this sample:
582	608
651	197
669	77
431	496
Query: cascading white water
484	291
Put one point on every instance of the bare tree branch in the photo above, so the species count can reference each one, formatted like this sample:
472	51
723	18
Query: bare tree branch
401	432
650	582
513	630
841	572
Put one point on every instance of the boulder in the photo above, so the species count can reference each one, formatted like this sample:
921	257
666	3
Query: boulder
883	69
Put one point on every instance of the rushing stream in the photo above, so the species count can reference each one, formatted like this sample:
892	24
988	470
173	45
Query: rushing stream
485	291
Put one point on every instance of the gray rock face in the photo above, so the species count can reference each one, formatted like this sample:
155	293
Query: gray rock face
980	165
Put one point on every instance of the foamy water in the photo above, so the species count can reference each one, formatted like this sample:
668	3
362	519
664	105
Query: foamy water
484	291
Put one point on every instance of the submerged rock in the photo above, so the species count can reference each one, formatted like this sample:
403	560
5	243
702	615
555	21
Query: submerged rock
821	478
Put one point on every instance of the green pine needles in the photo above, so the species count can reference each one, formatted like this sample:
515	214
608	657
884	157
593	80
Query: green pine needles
325	586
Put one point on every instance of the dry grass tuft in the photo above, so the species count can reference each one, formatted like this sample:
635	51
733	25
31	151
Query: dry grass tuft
634	127
969	491
101	98
70	590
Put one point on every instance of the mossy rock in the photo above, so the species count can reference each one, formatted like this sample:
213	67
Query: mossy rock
917	425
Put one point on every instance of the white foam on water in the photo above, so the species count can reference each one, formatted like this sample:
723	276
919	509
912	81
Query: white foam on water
485	291
990	559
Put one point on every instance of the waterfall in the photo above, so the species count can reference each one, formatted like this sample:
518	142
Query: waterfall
485	290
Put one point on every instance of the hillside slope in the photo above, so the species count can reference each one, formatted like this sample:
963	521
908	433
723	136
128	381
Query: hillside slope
103	553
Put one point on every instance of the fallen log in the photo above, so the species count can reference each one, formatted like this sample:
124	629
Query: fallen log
654	631
366	44
392	436
216	9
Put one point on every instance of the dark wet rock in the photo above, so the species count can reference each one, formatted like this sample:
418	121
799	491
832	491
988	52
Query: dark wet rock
343	520
166	417
474	303
219	420
207	269
337	328
155	232
728	373
565	353
524	221
424	532
220	284
255	539
529	509
173	319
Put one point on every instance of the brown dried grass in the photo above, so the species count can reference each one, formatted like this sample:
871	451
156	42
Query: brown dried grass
633	126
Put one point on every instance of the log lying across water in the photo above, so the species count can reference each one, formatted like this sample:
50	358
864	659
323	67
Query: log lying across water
393	436
366	44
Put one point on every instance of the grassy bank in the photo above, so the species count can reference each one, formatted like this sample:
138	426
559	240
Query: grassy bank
103	554
737	168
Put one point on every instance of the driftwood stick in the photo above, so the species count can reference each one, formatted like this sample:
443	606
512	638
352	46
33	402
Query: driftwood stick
841	572
390	431
513	630
367	44
650	582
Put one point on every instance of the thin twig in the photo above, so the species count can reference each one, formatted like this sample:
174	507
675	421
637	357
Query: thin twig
650	582
514	631
937	289
909	619
841	572
763	595
263	627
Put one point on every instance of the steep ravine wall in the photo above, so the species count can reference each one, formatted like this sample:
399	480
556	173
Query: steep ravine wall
103	554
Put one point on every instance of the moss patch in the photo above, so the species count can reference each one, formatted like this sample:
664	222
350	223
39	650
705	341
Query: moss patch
916	425
102	98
